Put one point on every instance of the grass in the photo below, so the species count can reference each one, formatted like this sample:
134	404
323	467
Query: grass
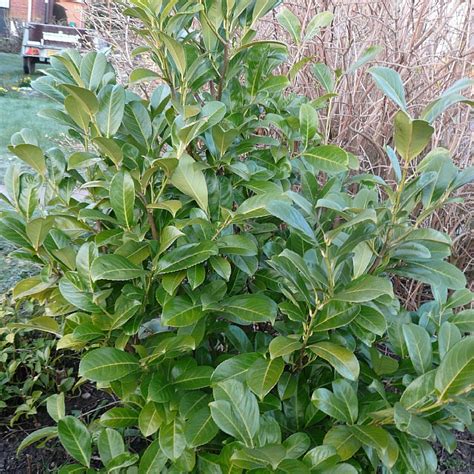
19	109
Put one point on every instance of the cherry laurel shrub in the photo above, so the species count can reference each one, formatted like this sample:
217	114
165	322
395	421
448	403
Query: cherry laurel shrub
225	273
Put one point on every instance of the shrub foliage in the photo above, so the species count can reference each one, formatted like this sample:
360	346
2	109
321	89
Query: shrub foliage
224	271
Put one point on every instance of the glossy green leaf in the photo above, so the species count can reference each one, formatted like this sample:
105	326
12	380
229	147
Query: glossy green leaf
282	346
76	439
189	179
153	459
31	155
250	308
455	375
434	272
200	428
365	288
150	419
343	440
235	367
418	344
343	360
194	378
122	198
111	109
263	375
235	411
291	216
411	424
110	444
115	268
186	256
107	364
180	311
172	439
56	407
449	334
419	392
379	439
328	158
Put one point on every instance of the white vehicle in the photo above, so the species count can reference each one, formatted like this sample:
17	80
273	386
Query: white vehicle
41	41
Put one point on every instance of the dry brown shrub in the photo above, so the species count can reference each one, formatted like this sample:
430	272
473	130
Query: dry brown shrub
429	42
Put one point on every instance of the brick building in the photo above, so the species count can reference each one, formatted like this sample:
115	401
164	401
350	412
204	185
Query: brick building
41	11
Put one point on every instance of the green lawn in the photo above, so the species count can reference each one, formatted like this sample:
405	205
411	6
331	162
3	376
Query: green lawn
18	110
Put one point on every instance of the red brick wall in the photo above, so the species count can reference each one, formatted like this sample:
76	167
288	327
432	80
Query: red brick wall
19	10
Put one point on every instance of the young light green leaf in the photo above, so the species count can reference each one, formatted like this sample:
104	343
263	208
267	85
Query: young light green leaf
43	434
324	76
291	23
308	122
56	407
31	155
320	20
411	136
367	55
390	83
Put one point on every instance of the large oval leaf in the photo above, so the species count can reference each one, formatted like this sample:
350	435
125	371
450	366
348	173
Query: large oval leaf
342	359
186	256
114	267
122	198
76	439
264	375
455	374
107	364
418	344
